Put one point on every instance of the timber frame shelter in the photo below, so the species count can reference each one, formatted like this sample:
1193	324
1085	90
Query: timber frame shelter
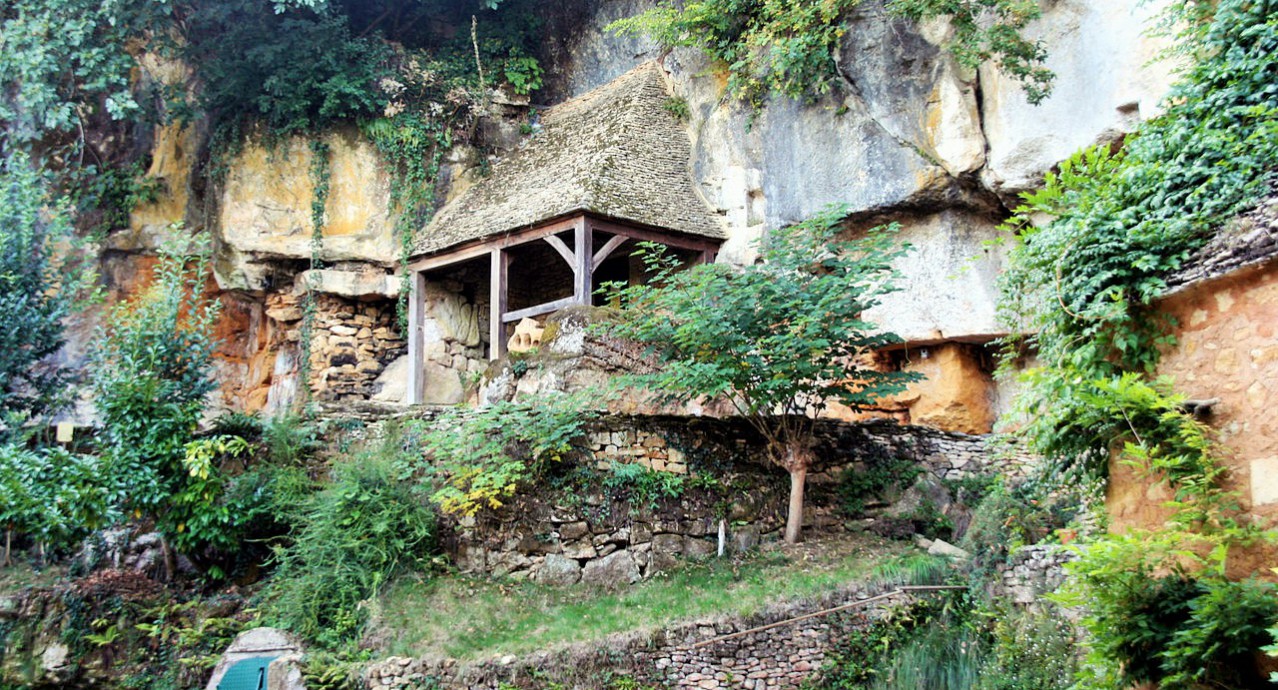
603	170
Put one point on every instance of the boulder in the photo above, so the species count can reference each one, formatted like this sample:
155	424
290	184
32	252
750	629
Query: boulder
940	547
557	570
392	384
615	569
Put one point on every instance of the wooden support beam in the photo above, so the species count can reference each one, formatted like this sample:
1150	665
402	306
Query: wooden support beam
583	236
540	309
477	248
563	250
416	319
669	239
497	295
609	247
708	256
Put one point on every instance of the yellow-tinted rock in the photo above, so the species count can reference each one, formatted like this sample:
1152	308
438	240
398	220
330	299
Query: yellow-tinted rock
266	202
956	395
171	160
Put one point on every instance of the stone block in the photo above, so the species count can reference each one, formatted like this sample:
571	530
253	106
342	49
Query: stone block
557	570
1264	481
616	569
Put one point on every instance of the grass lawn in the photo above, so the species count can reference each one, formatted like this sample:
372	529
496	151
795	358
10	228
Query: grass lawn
470	617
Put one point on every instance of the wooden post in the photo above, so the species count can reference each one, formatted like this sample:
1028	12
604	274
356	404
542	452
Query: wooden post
583	270
416	319
500	263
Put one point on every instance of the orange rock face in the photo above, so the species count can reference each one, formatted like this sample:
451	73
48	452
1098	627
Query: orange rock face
955	395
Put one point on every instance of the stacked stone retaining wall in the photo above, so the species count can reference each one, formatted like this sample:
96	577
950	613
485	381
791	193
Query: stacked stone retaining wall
778	657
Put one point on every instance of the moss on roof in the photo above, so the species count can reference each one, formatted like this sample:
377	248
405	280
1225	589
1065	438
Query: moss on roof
615	151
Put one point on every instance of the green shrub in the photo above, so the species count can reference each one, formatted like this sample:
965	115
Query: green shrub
883	474
643	485
150	368
1030	651
53	496
39	287
1159	609
484	455
296	70
247	426
354	536
290	438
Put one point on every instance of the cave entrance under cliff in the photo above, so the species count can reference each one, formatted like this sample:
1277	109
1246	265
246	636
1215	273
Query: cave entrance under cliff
540	270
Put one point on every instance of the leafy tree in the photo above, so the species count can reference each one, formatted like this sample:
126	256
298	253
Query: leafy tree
778	339
65	59
40	282
150	372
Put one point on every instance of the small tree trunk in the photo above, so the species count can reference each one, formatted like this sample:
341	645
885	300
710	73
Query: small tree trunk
797	461
170	559
8	543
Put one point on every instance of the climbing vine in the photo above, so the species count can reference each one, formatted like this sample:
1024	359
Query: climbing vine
1085	285
321	174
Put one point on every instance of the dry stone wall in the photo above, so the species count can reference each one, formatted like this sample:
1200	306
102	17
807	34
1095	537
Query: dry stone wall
779	657
731	498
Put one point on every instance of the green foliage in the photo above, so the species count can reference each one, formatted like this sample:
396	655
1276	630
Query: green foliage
987	30
1180	630
66	60
643	485
778	339
52	495
1029	651
246	425
484	455
40	285
774	47
203	519
1006	520
293	71
883	473
290	439
366	526
1159	606
678	107
768	46
1120	221
150	372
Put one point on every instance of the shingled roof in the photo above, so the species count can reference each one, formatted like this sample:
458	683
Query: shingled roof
615	151
1249	240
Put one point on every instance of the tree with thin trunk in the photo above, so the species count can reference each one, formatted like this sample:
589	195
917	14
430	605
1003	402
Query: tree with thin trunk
779	339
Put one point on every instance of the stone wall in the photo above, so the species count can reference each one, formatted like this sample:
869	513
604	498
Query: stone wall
732	499
780	657
1032	571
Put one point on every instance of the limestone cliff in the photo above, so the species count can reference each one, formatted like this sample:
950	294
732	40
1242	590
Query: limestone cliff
908	136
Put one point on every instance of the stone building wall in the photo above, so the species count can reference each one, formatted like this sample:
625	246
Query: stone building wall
1225	305
780	657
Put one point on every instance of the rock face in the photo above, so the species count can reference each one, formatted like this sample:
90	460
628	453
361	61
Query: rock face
265	208
909	135
906	135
